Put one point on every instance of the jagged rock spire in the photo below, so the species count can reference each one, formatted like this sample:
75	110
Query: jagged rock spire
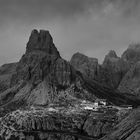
86	65
41	41
132	54
42	61
112	53
110	57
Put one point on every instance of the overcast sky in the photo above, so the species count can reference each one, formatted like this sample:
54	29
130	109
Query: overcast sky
92	27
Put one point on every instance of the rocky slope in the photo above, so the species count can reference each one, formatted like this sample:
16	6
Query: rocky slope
127	129
130	82
115	67
110	73
6	72
120	73
71	122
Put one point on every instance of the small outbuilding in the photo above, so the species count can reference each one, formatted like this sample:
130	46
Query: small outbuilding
99	102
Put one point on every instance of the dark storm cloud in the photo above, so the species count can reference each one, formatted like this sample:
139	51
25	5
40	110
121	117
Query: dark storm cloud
90	26
39	9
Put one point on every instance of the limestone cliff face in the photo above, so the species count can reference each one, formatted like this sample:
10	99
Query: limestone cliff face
41	41
115	67
110	73
86	65
130	82
42	61
132	54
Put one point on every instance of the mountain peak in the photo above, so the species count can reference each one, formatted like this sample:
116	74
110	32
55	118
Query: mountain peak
41	41
81	56
132	54
110	57
112	54
134	46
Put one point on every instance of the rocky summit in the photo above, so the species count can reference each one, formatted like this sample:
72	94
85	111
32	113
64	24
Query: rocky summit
115	67
41	41
132	54
44	96
87	66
